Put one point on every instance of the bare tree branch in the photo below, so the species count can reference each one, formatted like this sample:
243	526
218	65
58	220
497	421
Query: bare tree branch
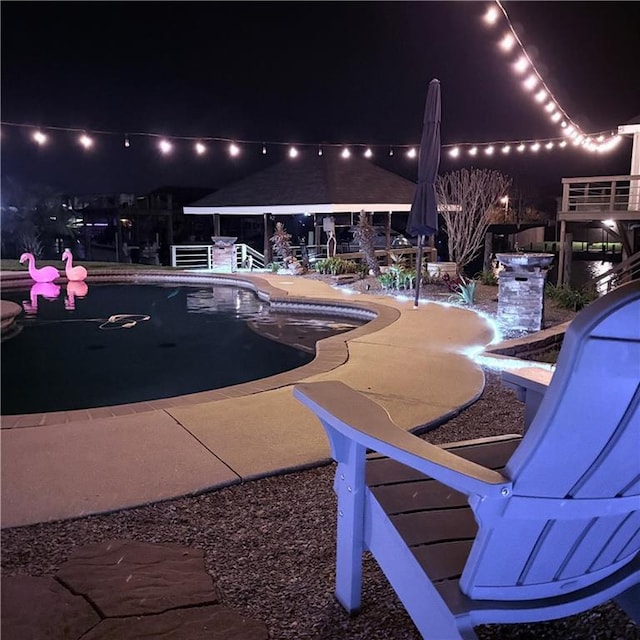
466	198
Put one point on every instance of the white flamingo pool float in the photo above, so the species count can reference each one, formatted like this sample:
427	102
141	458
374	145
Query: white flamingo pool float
44	274
74	274
75	288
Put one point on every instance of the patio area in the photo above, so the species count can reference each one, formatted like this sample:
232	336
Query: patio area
267	544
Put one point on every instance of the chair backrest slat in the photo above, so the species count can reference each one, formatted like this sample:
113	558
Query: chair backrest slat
583	444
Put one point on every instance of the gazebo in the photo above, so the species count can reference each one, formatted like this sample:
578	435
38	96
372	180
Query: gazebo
322	186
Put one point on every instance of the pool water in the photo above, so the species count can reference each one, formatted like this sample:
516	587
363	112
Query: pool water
130	343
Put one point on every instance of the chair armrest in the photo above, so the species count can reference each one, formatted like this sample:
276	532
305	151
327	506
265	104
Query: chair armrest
357	418
530	384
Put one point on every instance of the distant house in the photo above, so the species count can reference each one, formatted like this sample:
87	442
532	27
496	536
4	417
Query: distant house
306	190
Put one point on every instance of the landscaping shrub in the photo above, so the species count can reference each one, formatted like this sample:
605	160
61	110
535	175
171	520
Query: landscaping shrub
569	298
336	266
464	290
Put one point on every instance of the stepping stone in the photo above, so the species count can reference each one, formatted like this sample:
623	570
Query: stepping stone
40	607
126	578
201	623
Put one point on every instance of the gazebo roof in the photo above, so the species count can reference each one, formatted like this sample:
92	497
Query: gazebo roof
312	184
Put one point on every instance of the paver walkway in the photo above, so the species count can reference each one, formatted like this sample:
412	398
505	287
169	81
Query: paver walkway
123	590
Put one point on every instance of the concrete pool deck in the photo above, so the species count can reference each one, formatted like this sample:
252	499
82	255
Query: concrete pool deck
71	464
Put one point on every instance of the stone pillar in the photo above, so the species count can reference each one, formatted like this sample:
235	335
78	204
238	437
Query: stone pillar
521	290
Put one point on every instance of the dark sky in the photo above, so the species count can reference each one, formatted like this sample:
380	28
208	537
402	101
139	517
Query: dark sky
304	72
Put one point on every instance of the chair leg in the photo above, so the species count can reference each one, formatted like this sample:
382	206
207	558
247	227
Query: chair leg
629	602
350	488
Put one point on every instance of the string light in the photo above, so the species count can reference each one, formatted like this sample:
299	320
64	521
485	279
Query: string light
508	42
535	79
491	16
39	137
595	142
85	141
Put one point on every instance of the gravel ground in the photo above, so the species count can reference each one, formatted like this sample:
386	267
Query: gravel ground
269	543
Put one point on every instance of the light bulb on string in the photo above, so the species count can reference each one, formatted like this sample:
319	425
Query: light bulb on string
455	152
535	147
491	16
165	146
521	147
411	153
264	149
530	83
540	96
506	149
293	152
507	43
85	141
127	144
319	151
521	65
345	152
489	151
234	150
40	137
390	151
549	145
200	148
473	151
368	153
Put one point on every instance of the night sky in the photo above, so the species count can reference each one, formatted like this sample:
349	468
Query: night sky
301	72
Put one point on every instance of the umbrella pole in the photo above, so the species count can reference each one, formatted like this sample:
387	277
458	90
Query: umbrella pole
418	269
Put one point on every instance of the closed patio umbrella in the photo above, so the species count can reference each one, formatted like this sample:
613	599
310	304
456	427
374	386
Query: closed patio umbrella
423	218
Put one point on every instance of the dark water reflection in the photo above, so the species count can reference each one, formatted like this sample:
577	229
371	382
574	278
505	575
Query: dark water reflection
113	344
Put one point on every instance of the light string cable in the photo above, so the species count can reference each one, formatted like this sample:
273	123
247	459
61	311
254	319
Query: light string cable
165	143
601	141
598	142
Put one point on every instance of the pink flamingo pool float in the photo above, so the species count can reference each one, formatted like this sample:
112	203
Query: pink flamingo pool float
48	290
74	274
44	274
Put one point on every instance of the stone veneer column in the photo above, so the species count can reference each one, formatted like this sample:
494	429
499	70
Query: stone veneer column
521	289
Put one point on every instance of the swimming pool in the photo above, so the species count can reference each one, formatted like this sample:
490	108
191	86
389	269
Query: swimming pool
121	343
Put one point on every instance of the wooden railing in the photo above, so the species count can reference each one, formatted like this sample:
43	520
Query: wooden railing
600	197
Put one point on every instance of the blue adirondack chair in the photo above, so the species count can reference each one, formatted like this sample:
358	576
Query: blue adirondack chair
509	529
